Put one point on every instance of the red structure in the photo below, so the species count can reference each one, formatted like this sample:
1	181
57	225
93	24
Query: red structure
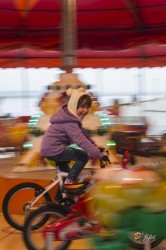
121	33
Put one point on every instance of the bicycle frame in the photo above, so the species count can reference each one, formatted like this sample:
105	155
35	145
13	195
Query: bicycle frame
81	204
59	179
73	227
61	175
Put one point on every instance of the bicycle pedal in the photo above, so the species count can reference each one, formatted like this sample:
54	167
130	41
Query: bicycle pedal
75	189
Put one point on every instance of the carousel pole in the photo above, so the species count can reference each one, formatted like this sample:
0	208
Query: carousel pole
68	48
69	35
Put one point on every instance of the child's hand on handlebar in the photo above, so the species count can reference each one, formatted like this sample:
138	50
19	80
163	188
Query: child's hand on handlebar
102	149
104	160
105	157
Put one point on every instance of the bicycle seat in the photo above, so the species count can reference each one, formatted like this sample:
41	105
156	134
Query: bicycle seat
76	189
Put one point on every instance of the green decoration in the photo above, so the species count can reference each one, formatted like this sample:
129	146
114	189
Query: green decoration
100	131
36	131
106	244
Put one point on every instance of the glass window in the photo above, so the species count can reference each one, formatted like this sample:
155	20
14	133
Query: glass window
21	89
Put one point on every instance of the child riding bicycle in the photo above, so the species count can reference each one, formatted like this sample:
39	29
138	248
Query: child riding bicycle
65	129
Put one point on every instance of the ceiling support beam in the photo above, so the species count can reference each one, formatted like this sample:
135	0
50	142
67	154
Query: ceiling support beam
69	35
135	13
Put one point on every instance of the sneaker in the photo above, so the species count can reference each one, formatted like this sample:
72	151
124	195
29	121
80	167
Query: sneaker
69	181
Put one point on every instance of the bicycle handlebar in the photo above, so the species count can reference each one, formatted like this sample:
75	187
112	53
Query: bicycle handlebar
105	159
127	158
104	163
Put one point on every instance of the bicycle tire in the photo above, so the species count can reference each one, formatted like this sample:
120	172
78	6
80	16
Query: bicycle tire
34	239
15	219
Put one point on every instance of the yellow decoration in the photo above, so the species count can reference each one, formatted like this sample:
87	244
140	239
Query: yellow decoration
108	219
155	200
119	190
18	133
13	135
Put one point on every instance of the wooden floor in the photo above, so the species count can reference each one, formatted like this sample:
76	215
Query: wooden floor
11	239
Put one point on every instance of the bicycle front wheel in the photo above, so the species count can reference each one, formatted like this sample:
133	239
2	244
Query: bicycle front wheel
16	204
34	239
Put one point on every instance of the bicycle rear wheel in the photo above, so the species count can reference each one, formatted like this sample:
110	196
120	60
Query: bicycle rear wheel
34	239
16	204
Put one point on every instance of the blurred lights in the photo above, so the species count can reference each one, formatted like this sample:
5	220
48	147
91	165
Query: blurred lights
104	119
27	145
111	143
34	120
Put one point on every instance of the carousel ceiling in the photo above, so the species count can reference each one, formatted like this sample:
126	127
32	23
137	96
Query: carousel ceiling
116	33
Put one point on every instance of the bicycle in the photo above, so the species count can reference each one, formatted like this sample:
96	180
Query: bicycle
65	224
34	196
55	214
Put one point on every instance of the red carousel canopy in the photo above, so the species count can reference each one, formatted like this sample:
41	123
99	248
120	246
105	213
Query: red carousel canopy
116	33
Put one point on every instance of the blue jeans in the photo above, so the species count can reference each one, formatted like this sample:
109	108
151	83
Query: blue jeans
70	154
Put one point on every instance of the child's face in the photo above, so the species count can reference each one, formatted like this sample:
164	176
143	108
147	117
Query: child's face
82	110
